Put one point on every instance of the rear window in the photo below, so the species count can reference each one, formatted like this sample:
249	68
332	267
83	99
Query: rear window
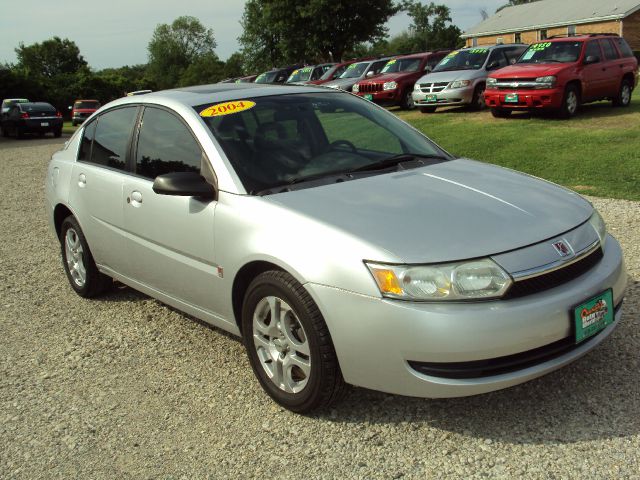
37	107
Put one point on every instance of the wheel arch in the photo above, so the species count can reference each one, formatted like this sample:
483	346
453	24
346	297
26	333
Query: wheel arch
631	78
578	84
60	212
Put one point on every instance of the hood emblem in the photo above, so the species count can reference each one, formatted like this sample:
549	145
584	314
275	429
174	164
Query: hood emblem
562	248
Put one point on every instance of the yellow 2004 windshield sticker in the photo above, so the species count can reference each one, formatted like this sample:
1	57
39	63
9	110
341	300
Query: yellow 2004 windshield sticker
227	108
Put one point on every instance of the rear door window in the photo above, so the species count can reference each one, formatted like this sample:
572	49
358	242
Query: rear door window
84	153
593	50
165	145
112	134
624	48
610	53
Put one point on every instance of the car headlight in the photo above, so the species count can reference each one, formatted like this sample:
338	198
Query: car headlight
460	84
475	279
546	82
416	86
492	82
597	222
356	88
390	86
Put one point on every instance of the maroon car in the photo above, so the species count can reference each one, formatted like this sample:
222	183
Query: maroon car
395	83
334	72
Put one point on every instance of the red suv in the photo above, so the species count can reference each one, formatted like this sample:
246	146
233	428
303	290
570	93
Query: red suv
83	109
562	73
397	79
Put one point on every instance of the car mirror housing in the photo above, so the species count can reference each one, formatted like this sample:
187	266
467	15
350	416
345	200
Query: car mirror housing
493	65
591	59
184	184
369	74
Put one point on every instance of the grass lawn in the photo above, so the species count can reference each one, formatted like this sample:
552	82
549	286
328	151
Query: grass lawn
68	128
596	153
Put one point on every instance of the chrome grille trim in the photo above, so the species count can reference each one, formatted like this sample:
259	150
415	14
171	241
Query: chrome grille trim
552	267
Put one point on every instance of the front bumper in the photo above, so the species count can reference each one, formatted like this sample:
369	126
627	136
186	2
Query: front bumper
446	98
527	99
384	98
375	338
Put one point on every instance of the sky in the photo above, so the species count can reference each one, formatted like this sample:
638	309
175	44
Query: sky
114	33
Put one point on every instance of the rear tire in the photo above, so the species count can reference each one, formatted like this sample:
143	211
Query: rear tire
500	112
570	103
82	273
428	109
5	132
19	132
624	95
57	133
289	345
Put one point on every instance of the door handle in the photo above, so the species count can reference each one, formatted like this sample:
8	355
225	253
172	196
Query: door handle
82	180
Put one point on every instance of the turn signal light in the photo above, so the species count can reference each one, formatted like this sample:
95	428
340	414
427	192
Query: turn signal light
387	281
24	115
58	114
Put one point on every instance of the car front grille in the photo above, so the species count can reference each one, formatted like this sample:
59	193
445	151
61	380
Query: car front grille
555	278
501	365
515	83
433	87
370	87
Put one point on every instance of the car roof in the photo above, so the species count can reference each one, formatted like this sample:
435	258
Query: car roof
35	104
220	92
499	45
86	100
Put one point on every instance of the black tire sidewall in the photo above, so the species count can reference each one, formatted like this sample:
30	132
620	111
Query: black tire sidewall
476	104
620	101
564	111
262	287
92	273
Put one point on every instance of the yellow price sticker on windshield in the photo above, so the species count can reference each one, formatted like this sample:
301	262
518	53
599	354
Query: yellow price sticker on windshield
227	108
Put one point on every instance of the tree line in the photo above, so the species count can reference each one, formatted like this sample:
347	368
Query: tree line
275	33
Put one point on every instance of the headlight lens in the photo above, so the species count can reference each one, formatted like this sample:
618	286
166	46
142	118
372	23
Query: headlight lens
356	88
416	86
546	82
390	86
597	222
478	279
460	84
492	82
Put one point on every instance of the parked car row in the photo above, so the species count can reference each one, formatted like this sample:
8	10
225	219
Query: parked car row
558	74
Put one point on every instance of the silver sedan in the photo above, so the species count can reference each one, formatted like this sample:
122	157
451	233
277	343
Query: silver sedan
341	244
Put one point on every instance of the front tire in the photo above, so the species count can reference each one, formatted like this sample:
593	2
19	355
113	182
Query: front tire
84	277
289	345
624	95
477	102
570	103
407	100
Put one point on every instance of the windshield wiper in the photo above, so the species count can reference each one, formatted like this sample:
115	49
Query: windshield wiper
396	160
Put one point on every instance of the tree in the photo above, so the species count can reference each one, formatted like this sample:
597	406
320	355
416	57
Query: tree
515	2
204	69
173	48
50	58
289	31
431	26
234	66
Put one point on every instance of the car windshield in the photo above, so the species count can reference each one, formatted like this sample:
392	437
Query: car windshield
300	75
276	141
81	105
472	59
333	72
355	70
402	65
552	52
267	77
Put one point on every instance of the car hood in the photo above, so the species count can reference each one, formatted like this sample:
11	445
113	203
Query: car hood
529	70
388	77
451	211
343	83
452	76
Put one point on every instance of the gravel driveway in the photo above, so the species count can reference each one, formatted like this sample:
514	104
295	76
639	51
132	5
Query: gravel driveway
126	387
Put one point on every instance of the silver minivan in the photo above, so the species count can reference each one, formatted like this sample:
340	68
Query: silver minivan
460	77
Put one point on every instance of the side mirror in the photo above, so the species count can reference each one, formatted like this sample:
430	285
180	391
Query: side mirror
70	107
184	184
591	59
370	74
493	65
428	69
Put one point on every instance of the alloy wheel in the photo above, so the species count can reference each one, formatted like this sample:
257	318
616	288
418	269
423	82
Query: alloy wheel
74	257
281	344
